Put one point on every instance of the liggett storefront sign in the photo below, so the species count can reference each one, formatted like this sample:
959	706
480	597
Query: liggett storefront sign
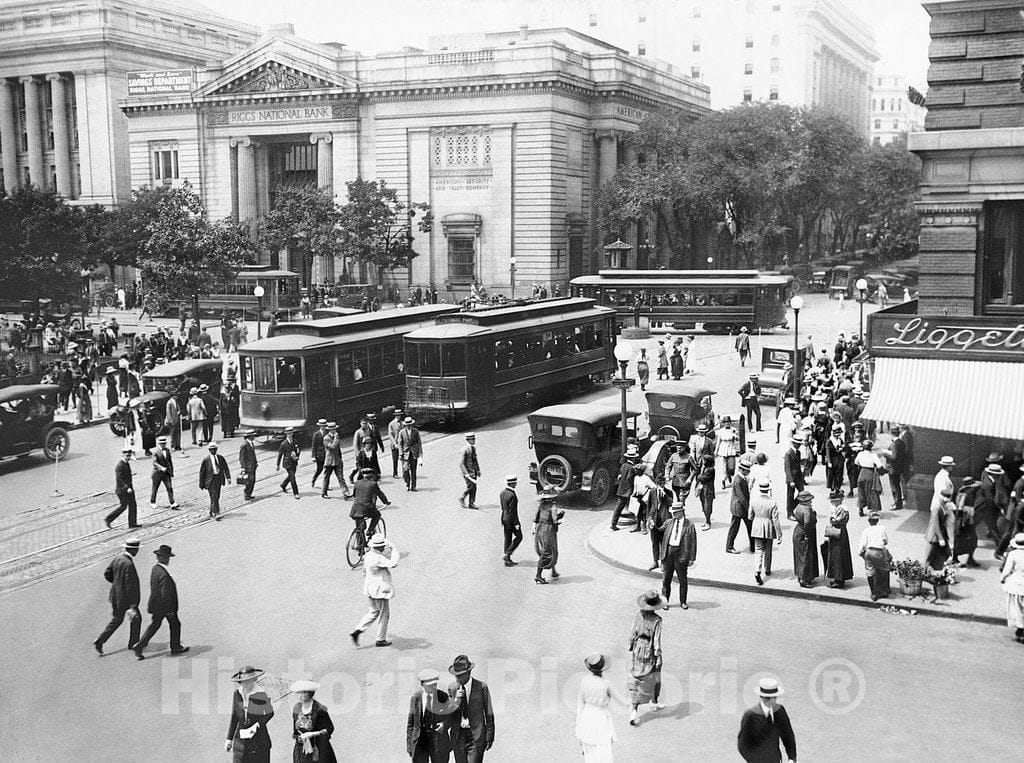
937	336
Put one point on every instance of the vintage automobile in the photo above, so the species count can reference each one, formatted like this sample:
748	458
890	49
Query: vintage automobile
26	422
578	446
675	415
182	375
773	358
843	279
157	399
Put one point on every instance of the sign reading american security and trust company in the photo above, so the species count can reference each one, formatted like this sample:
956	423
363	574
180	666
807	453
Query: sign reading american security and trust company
290	113
937	336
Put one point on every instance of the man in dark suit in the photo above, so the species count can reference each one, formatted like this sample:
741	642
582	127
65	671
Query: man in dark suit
288	456
214	475
510	518
318	450
248	462
739	506
898	466
678	552
365	492
474	733
764	726
750	398
410	448
794	473
163	604
124	490
428	731
470	468
624	483
163	472
125	595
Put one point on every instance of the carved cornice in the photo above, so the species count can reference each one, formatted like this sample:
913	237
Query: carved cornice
274	77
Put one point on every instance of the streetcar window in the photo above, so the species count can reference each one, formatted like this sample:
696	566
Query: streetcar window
344	367
412	359
289	374
430	359
453	359
376	363
360	364
247	383
502	355
746	297
263	368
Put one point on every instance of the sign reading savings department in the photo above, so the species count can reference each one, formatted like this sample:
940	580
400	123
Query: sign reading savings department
160	82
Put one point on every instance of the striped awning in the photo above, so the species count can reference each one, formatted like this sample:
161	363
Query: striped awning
967	396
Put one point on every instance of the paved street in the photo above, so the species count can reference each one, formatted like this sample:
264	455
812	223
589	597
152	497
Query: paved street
269	586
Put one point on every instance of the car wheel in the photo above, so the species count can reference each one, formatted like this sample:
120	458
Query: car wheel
109	300
555	473
600	485
56	443
117	427
668	432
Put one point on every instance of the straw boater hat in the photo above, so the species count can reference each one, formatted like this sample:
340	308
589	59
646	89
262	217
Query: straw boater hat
752	375
677	506
212	446
968	481
194	391
702	428
248	673
321	422
428	676
126	449
132	543
744	464
632	451
408	420
300	686
995	470
769	687
764	485
789	401
743	329
332	426
511	479
650	601
947	461
470	436
993	458
1018	541
378	541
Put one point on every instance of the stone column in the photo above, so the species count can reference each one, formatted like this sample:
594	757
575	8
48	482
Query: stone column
9	137
61	139
247	205
607	148
324	159
34	127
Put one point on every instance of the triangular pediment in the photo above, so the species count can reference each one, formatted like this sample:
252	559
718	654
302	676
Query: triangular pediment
273	76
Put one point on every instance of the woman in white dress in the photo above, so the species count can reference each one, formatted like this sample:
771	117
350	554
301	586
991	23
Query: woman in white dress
594	728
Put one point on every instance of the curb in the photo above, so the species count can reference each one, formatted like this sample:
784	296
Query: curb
70	425
825	597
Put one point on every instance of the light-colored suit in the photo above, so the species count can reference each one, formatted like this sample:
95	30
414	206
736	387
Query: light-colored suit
378	588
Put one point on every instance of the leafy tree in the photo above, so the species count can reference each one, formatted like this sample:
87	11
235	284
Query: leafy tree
892	177
377	226
40	246
186	252
119	236
307	218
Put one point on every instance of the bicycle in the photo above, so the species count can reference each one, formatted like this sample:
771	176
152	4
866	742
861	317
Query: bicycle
356	546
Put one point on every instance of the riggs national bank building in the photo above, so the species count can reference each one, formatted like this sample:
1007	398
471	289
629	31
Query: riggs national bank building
506	135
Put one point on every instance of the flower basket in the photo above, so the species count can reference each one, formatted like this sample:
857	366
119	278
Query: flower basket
910	587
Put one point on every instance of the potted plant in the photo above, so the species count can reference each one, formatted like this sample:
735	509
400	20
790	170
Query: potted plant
941	580
910	572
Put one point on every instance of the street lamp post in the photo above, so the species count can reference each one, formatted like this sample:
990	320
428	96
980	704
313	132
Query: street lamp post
258	292
862	289
797	303
623	352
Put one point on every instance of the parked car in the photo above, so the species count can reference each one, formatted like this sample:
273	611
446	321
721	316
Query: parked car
773	358
578	447
819	280
894	284
842	280
675	415
26	422
182	375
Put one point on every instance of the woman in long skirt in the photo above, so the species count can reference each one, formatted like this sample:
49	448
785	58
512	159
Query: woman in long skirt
84	401
594	728
311	726
869	480
545	537
836	548
643	369
966	537
1012	579
805	546
644	682
873	549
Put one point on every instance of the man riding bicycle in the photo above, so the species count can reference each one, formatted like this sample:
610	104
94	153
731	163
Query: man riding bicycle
365	493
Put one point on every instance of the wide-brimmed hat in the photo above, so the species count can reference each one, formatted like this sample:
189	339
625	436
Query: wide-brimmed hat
947	461
470	436
204	387
164	550
132	543
547	495
110	370
408	420
332	426
595	662
764	485
460	665
995	469
298	686
378	541
1018	540
769	687
247	673
511	478
702	428
632	451
428	676
650	601
804	496
321	422
212	446
993	458
743	329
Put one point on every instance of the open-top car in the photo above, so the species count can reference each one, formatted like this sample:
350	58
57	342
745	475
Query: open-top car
26	422
578	447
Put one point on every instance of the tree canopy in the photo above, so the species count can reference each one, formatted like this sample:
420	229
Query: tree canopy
307	218
378	226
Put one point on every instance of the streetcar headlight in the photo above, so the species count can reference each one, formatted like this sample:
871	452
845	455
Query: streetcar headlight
265	408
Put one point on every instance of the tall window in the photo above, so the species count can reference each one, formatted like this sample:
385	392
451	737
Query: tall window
895	124
878	124
592	20
165	164
776	40
749	42
748	68
461	259
773	93
695	72
695	45
748	95
641	48
48	116
696	11
1003	255
774	66
874	104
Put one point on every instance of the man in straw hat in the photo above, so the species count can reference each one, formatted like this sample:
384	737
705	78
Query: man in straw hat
125	595
992	499
163	604
678	552
765	527
317	448
509	501
213	475
248	462
394	430
750	398
333	462
739	506
941	528
794	473
765	725
380	559
124	490
473	735
163	472
469	465
944	476
624	482
428	731
410	449
251	711
288	456
743	345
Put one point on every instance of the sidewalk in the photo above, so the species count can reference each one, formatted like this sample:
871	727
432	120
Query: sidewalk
977	595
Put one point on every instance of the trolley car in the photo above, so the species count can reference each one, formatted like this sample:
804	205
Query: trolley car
720	300
280	292
336	368
475	362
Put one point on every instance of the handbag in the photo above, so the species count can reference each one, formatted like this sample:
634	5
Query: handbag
831	531
241	479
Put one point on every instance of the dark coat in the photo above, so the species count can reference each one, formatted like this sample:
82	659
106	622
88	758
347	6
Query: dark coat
794	471
900	461
247	458
480	714
319	453
206	475
260	710
321	744
163	592
624	483
509	507
469	465
836	551
124	582
288	454
687	541
739	503
123	477
415	723
805	545
365	493
162	457
759	738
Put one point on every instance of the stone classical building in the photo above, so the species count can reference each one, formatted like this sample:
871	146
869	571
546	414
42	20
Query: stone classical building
63	69
951	364
506	136
894	114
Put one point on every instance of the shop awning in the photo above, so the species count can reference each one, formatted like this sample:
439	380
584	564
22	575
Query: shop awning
971	397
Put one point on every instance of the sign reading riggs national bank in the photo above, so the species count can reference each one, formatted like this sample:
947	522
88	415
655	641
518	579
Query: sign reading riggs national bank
943	337
292	113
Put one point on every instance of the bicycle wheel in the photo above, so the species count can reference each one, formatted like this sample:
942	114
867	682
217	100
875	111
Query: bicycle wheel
354	549
382	528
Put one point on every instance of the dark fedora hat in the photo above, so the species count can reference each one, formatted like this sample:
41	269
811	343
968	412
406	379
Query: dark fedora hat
164	550
460	665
